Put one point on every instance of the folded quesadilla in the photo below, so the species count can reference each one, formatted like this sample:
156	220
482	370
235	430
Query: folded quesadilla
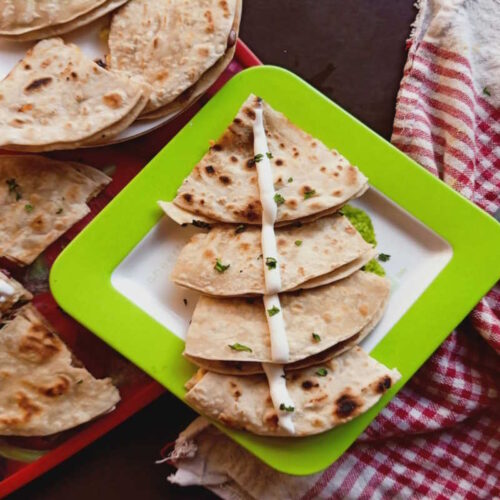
173	45
40	199
34	20
324	395
310	179
57	98
329	248
12	294
41	391
232	335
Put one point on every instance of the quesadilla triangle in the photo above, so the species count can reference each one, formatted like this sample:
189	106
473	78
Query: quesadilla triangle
324	396
310	179
231	335
64	100
329	248
40	199
12	294
41	391
21	21
172	45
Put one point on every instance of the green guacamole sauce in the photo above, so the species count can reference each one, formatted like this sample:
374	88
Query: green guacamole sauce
362	222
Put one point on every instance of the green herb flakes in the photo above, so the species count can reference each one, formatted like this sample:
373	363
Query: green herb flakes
220	267
309	194
383	257
29	207
316	337
269	155
240	228
284	407
273	311
321	372
59	211
14	188
271	262
258	158
290	179
486	91
239	347
298	243
279	199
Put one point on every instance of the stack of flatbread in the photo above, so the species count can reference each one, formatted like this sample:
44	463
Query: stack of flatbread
163	55
40	199
326	304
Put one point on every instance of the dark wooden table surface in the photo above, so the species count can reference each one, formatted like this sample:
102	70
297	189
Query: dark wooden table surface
353	52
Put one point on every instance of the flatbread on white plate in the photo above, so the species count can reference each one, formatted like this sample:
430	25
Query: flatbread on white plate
329	248
41	391
324	396
40	199
57	98
311	179
171	43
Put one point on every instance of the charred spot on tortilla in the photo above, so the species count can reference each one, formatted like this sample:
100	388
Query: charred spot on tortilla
308	384
250	113
346	406
383	385
225	179
38	83
217	147
234	159
209	169
201	224
188	197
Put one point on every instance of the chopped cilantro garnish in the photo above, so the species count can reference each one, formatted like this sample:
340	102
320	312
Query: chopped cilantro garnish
14	188
269	155
59	211
29	207
290	179
279	199
258	158
309	194
298	243
486	91
374	266
284	407
383	257
219	267
239	347
316	337
321	372
240	228
273	311
271	262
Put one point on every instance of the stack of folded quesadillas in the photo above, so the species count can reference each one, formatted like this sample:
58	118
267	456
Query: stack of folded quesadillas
284	300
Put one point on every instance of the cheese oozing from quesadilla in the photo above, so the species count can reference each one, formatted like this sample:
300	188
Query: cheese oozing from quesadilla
280	397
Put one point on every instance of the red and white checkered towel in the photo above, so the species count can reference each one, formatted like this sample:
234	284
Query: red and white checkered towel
440	437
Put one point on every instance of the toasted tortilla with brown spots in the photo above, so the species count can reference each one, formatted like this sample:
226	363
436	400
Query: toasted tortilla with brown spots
41	392
312	179
57	98
40	199
352	384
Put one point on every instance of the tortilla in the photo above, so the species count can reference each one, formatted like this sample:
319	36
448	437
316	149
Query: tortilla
56	98
354	382
305	253
40	199
49	12
41	391
12	294
193	93
311	179
335	312
170	44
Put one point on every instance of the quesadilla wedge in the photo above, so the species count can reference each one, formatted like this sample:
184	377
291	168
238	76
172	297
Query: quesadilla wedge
41	391
316	253
310	179
64	100
22	21
12	294
324	395
316	320
171	44
40	199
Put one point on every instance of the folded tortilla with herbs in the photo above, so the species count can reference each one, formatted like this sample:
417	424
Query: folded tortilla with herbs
316	320
12	294
57	98
34	20
310	179
227	261
324	395
40	199
171	43
41	391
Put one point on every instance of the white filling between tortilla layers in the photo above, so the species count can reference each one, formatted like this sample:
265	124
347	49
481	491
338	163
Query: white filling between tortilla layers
280	397
6	290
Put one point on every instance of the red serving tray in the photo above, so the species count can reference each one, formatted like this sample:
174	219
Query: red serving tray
122	162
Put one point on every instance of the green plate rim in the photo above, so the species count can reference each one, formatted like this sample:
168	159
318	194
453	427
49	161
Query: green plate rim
92	256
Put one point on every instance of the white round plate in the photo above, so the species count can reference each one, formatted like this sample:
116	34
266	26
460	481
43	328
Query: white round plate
89	38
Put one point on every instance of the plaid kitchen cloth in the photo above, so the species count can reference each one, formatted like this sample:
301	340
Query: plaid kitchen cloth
440	436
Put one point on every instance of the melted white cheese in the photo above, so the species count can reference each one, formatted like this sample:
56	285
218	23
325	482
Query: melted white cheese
280	395
6	290
272	276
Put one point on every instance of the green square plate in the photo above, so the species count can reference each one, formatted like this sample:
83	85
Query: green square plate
430	231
